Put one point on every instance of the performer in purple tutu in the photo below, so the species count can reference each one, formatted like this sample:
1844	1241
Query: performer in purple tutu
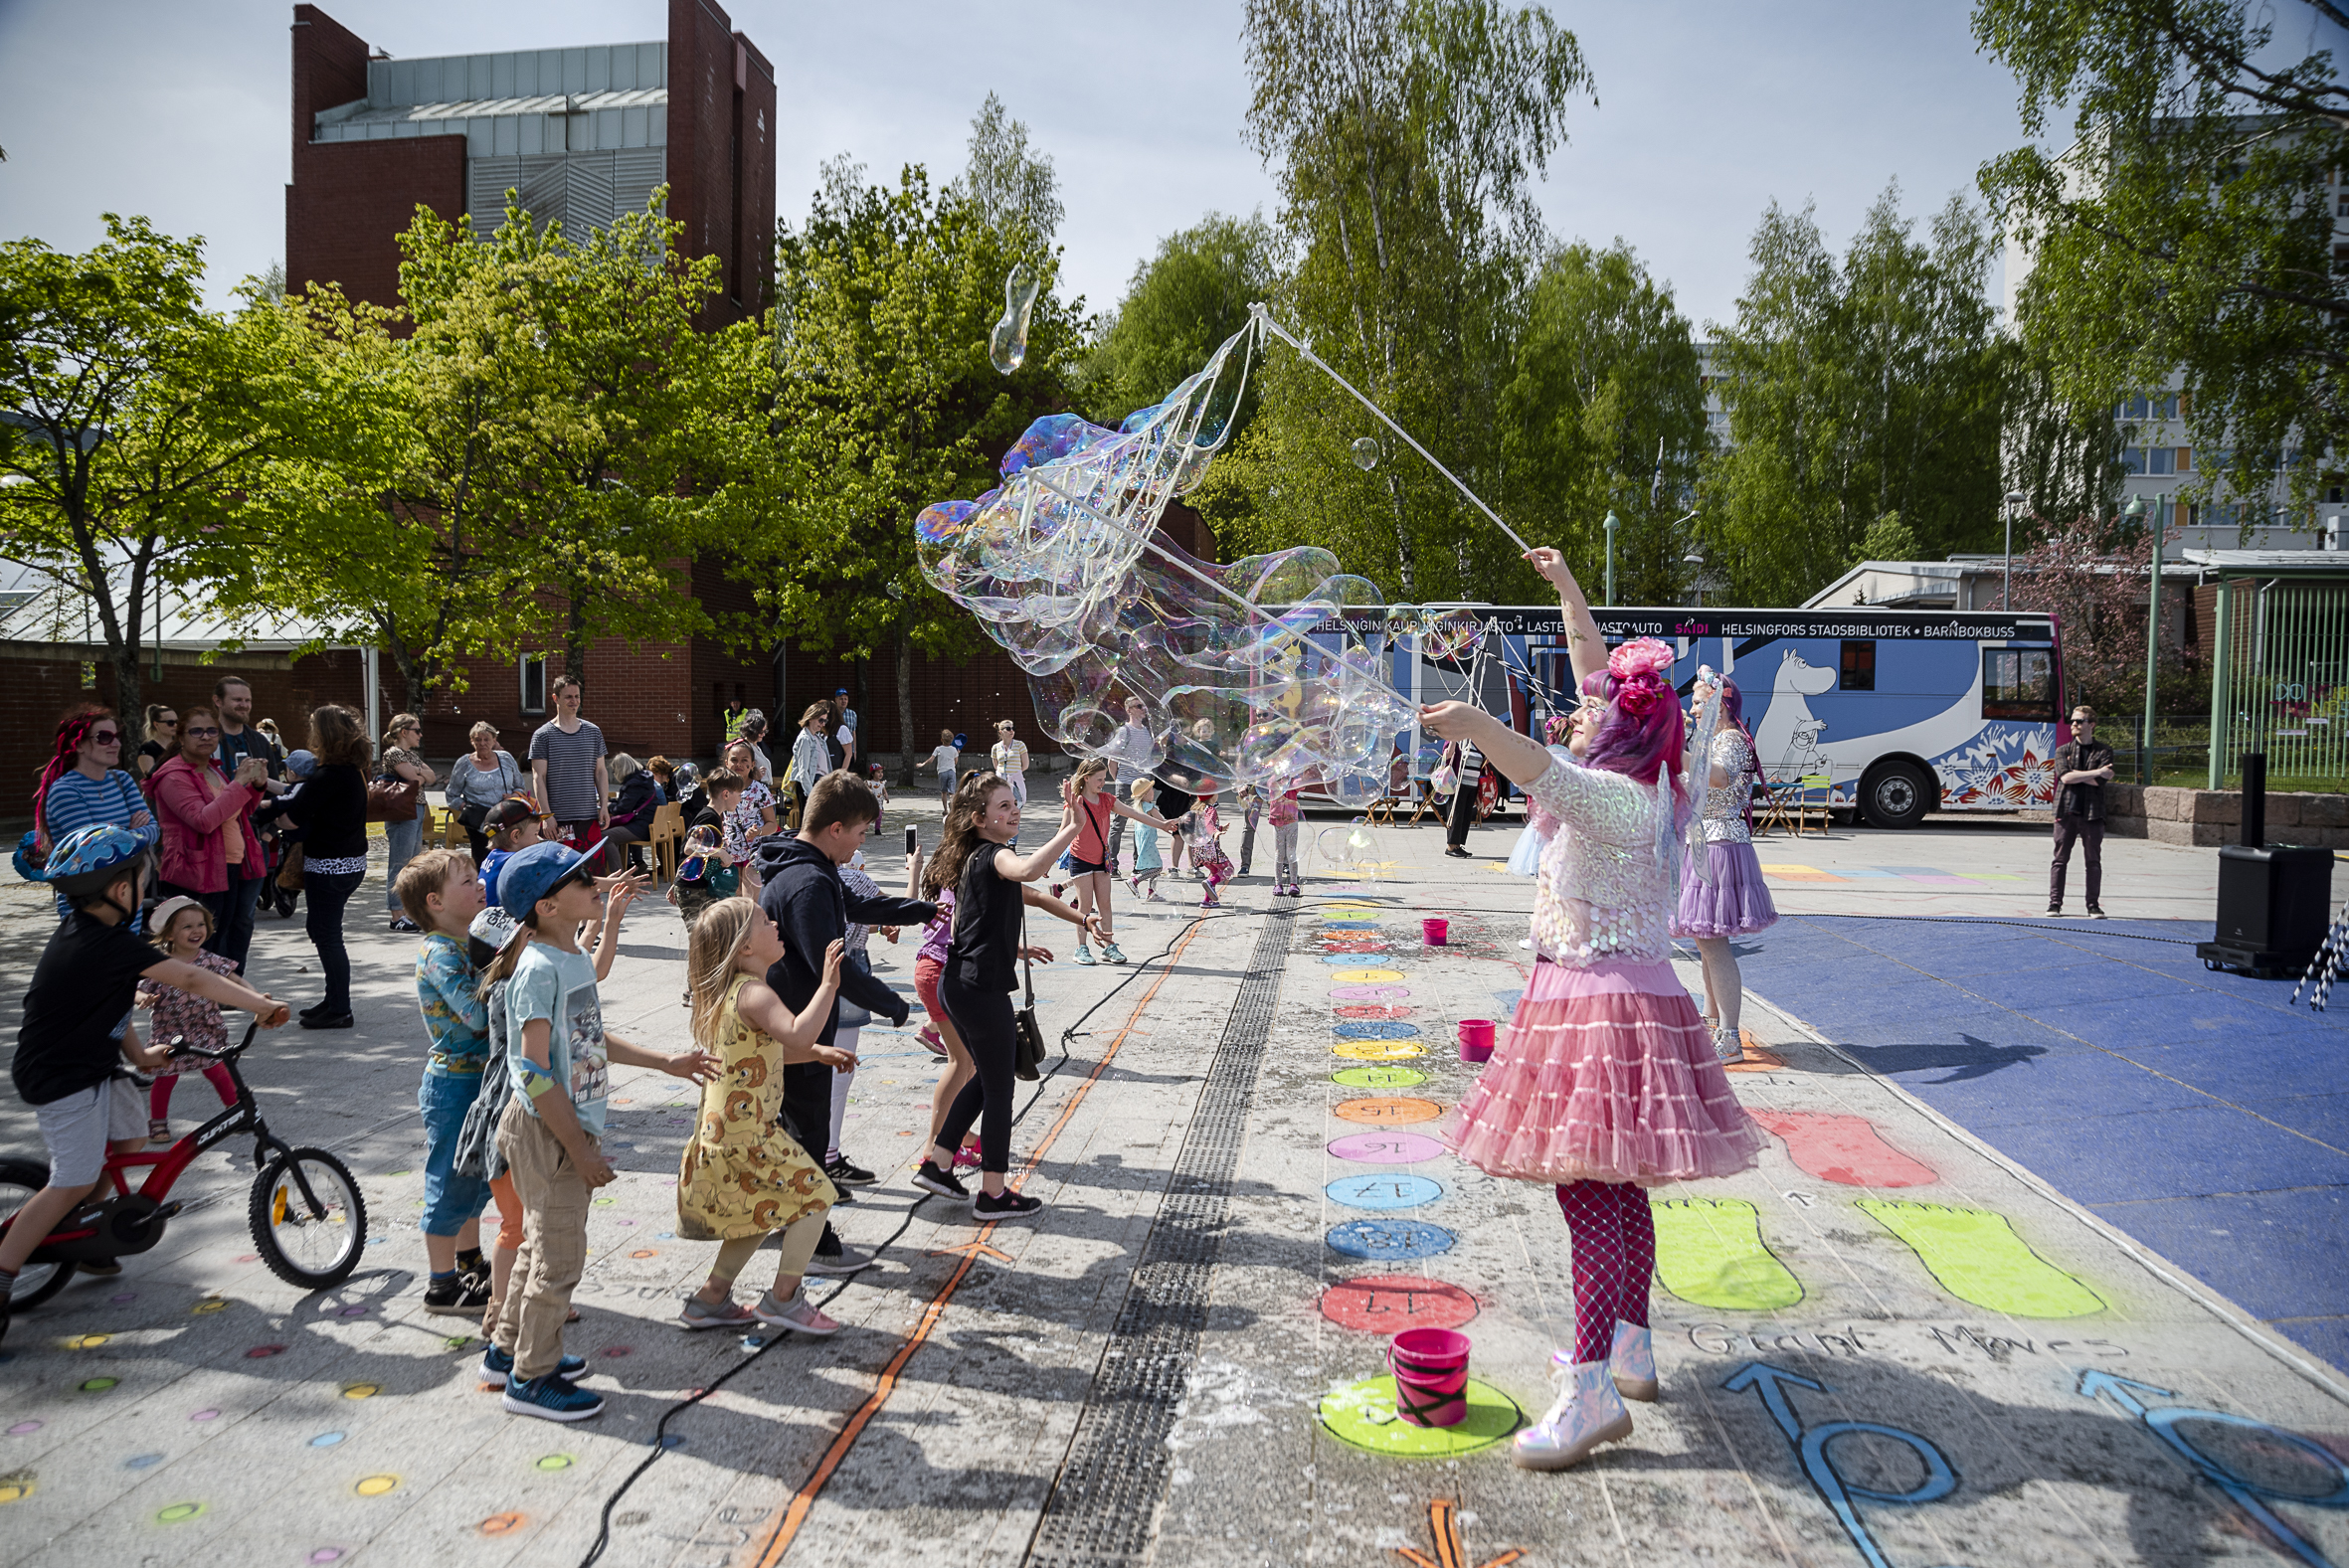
1604	1082
1724	897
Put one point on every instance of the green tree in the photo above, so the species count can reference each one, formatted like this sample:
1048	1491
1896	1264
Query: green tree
2189	230
887	401
1604	413
542	459
1181	305
138	418
1406	136
1888	539
1858	389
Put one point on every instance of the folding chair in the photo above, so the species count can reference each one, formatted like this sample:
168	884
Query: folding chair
1381	811
1805	803
453	833
1777	801
666	838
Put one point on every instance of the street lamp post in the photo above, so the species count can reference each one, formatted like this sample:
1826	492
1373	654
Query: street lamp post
1611	525
2006	599
2152	639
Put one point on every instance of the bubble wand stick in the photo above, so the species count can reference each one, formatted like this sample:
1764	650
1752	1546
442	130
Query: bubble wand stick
1263	317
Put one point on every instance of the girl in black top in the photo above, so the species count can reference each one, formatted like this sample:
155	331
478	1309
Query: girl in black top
331	809
980	971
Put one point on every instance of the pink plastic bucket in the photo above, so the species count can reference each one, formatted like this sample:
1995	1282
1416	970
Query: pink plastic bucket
1475	1039
1430	1369
1435	927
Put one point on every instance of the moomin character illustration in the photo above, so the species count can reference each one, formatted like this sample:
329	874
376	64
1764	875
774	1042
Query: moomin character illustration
1786	742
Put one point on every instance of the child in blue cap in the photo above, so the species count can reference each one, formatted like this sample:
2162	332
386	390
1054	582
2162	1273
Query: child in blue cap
559	1057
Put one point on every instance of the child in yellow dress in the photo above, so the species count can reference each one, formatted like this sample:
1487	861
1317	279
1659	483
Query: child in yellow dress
742	1175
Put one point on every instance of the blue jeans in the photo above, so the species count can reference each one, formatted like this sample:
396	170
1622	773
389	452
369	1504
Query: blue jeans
450	1198
403	840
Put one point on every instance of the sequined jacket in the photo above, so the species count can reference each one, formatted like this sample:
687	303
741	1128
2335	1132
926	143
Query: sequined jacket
1603	891
1726	804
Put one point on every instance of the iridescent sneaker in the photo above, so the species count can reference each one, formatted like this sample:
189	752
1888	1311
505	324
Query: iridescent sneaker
1588	1413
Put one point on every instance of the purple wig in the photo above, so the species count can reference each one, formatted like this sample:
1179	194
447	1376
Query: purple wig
1733	704
1643	733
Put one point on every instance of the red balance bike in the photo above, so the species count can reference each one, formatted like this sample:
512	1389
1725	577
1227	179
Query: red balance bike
309	1222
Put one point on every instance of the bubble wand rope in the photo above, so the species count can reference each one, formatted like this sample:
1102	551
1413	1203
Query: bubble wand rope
1264	318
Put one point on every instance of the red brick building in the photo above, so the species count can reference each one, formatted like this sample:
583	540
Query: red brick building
583	133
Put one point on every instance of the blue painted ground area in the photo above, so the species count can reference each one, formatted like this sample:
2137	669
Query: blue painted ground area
2201	1113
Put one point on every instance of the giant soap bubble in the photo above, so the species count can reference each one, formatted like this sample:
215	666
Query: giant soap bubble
1061	564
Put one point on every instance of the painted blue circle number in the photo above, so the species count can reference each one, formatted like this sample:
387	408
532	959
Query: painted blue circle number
1376	1029
1386	1240
1378	1190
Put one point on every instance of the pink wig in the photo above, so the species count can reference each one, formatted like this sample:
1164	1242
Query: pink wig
1643	733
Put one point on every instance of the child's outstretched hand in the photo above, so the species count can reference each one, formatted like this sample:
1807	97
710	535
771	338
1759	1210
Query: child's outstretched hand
833	956
276	1016
697	1064
832	1057
1036	954
621	888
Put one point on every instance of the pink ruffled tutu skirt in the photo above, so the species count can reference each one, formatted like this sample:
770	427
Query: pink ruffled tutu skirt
1736	903
1605	1074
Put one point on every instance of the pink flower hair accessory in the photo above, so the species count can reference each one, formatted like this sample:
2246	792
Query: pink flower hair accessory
1640	656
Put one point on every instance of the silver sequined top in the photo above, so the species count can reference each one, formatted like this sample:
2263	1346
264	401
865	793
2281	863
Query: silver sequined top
1604	890
1725	805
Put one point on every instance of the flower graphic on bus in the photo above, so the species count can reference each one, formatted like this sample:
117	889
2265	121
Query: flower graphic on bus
2002	768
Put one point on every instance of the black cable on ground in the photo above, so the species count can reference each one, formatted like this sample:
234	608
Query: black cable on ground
1068	1036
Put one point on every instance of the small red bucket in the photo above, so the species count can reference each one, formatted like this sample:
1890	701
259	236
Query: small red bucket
1475	1039
1435	927
1430	1369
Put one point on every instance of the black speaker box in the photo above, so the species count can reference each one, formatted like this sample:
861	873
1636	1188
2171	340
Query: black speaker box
2274	904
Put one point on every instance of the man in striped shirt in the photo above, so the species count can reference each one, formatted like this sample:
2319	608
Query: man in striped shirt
568	771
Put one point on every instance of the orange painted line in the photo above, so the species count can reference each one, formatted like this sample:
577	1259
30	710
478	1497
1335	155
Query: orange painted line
802	1501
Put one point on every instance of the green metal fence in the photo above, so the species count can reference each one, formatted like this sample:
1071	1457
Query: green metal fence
2280	684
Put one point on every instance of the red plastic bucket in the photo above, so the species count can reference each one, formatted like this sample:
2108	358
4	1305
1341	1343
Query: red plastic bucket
1435	927
1430	1369
1475	1039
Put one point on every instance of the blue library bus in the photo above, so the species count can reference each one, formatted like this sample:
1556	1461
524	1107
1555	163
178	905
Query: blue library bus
1898	711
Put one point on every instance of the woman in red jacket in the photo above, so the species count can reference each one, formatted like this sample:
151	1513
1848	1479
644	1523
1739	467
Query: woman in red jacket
209	851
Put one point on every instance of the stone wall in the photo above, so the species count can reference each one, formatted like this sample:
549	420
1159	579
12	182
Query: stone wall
2172	815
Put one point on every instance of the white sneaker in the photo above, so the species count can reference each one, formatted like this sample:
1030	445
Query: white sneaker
1728	1046
1632	1363
1588	1412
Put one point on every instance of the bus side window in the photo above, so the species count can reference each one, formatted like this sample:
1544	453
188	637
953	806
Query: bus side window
1859	666
2019	684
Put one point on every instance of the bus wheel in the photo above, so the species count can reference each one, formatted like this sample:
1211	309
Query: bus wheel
1896	796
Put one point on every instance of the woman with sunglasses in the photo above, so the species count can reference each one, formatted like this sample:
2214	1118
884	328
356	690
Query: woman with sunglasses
210	851
162	739
84	782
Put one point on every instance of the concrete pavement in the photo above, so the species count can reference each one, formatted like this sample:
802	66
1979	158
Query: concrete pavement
1889	1344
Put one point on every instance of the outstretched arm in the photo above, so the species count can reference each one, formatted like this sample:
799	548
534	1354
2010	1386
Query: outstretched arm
1585	647
1521	759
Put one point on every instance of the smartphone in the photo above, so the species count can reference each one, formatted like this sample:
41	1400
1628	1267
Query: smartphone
913	839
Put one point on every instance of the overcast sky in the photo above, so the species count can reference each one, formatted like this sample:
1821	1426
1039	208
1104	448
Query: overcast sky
1708	111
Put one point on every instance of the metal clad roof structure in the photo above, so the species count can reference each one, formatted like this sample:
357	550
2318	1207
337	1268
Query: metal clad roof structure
578	134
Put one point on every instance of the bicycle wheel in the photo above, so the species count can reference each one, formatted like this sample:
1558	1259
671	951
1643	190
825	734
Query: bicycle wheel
34	1282
309	1222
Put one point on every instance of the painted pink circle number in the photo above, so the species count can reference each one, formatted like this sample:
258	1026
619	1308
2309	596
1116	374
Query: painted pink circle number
1386	1149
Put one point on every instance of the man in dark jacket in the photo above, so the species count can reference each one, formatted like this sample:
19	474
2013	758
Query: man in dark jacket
2084	766
801	890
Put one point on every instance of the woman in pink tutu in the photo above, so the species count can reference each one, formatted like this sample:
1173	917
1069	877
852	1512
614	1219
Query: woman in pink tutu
1724	897
1604	1082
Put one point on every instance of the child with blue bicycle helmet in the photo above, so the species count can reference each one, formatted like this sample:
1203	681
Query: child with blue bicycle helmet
76	1040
